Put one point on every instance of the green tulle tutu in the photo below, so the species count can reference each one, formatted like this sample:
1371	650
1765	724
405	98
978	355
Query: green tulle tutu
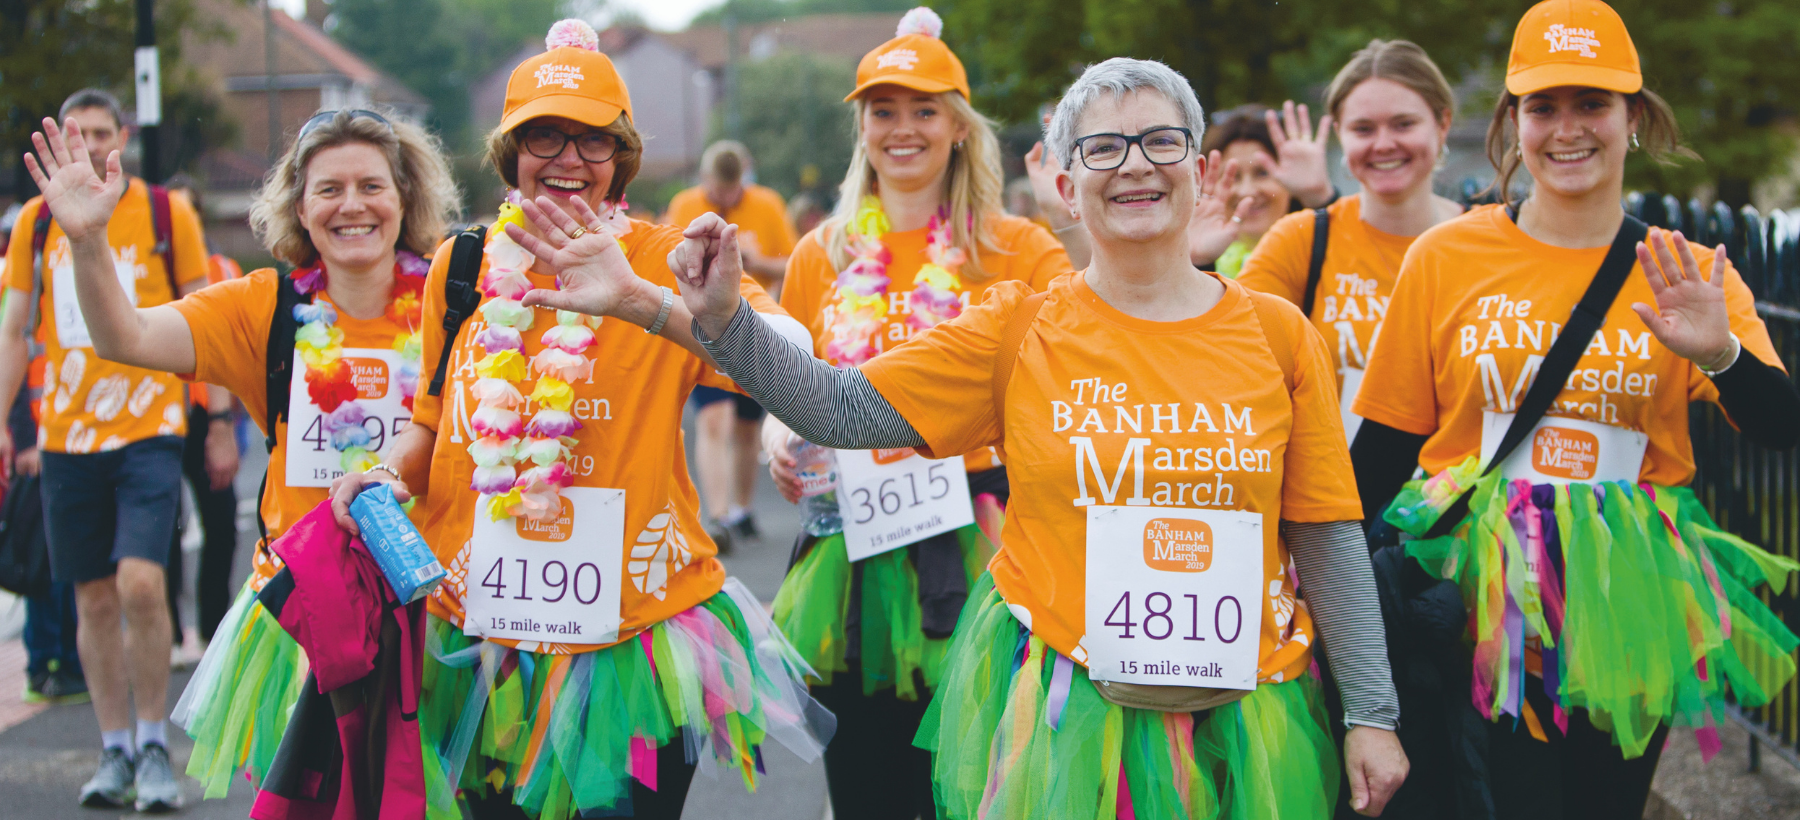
237	704
1018	731
567	734
1644	608
812	608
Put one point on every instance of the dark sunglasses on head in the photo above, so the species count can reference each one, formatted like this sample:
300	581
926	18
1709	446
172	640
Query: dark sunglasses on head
545	142
323	117
1162	146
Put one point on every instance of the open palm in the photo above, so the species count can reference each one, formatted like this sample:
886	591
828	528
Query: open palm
1690	317
1299	164
80	200
1211	228
593	275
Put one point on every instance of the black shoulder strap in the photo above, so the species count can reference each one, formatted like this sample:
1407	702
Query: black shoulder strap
462	295
280	366
162	226
1316	268
1559	362
40	236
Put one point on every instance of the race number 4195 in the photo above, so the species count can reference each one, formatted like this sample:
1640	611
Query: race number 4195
1174	596
892	498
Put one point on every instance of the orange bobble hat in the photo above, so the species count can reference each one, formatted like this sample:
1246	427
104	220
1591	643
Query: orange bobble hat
571	79
916	58
1572	42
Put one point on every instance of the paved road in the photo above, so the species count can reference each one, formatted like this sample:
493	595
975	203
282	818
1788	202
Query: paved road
44	760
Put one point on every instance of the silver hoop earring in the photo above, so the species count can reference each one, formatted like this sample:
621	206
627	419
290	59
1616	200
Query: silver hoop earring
1634	141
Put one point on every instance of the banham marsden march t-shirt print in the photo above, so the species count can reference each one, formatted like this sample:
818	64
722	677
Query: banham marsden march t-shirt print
1153	424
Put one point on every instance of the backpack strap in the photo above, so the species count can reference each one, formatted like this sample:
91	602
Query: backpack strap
1279	343
1316	268
40	236
162	226
461	296
1007	354
280	363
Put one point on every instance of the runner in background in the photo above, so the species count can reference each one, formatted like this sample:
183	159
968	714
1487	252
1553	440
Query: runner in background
585	622
1604	603
1065	692
110	444
919	235
726	422
210	464
1280	168
1393	109
352	204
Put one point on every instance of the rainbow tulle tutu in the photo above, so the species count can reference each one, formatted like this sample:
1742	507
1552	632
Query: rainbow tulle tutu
237	704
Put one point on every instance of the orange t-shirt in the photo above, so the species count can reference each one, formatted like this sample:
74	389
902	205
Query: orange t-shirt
761	213
230	324
92	405
1477	306
1168	402
1355	282
1026	253
631	439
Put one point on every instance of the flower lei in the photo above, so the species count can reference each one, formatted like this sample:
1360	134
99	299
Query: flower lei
861	311
523	467
330	383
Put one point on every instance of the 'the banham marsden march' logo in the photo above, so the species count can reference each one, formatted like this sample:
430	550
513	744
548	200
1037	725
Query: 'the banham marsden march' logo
904	59
552	532
891	456
1564	453
370	376
567	76
1569	38
1178	545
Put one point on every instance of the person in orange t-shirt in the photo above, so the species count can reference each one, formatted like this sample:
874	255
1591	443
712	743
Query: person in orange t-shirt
727	421
1605	605
558	495
1171	438
1393	110
879	273
334	209
109	439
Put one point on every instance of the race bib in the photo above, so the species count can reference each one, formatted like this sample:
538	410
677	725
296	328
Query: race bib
1561	450
557	582
71	326
1353	377
891	498
311	460
1174	596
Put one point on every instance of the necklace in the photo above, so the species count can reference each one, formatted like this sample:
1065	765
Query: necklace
522	467
860	314
331	381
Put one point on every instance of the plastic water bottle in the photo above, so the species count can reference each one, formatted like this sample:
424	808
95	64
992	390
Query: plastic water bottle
816	467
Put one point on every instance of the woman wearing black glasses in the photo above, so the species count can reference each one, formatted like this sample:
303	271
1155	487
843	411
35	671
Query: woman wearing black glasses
354	204
1135	648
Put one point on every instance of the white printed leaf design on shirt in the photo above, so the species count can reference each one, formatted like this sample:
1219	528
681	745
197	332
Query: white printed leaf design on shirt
74	366
147	390
112	443
62	399
80	438
107	397
172	416
659	553
1282	602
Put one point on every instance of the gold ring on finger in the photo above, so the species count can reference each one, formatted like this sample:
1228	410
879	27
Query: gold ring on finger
579	232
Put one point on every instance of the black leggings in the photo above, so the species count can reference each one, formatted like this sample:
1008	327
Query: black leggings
673	776
1579	777
871	767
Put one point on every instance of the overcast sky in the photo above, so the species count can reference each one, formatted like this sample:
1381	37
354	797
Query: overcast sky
668	15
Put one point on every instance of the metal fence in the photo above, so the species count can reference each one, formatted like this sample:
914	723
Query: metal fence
1751	491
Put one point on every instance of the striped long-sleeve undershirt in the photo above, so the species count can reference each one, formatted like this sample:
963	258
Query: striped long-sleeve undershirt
840	408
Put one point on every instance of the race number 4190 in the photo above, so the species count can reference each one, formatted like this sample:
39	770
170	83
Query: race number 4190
892	498
1174	596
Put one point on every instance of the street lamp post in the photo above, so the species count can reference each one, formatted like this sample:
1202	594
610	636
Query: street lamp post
149	91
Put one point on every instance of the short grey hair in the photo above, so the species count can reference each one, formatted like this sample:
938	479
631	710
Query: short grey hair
92	98
1120	76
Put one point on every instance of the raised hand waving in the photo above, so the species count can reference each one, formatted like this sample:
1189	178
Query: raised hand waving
1299	163
1690	317
80	200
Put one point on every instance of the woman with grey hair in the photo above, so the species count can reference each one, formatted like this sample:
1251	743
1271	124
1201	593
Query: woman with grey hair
354	204
1136	646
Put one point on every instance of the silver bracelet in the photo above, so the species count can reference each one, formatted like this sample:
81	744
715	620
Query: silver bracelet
389	469
662	316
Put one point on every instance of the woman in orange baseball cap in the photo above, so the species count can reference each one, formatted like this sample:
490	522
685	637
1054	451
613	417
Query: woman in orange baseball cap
919	234
587	648
1605	604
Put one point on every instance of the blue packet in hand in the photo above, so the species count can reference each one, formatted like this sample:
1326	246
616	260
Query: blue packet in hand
410	567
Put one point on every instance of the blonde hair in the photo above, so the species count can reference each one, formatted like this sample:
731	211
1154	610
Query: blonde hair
503	154
973	189
428	194
1398	61
1659	133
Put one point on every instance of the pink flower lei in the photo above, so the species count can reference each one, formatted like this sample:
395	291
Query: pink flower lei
860	315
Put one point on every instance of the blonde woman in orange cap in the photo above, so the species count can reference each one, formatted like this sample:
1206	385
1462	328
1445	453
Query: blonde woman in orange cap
1604	604
920	234
587	650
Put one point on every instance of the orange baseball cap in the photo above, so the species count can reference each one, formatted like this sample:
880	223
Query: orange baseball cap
1572	42
916	58
572	79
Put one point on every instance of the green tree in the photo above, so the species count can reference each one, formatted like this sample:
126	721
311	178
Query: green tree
795	118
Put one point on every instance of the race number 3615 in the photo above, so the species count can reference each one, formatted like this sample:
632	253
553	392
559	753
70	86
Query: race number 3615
891	498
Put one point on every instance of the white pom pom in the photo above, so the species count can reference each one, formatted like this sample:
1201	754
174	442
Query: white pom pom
573	33
921	20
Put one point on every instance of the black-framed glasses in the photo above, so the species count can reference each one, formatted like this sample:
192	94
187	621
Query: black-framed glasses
545	142
313	123
1162	146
